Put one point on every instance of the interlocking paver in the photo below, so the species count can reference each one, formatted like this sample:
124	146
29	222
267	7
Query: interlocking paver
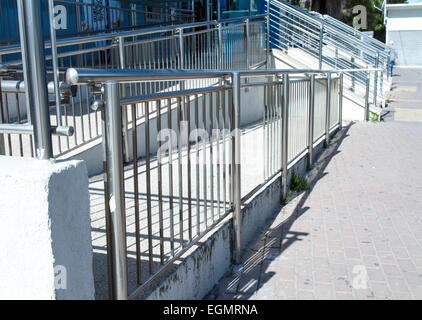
361	235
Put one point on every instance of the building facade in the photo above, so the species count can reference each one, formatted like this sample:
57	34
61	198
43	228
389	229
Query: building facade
404	28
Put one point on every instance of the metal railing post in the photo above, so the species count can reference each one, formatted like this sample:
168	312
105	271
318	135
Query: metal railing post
125	123
116	194
268	34
321	44
311	120
382	80
328	109
220	46
376	80
181	50
285	132
368	78
352	60
247	43
208	9
340	100
33	60
182	66
236	173
54	60
2	146
193	10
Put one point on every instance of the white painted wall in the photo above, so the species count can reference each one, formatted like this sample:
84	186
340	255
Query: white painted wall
404	28
45	224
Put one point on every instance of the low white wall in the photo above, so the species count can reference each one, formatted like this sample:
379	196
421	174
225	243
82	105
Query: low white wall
45	230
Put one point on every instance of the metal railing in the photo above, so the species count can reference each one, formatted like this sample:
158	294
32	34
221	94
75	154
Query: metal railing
184	173
226	44
81	18
374	43
193	178
292	27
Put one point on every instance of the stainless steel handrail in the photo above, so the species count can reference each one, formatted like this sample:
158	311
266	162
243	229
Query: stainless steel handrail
338	25
327	28
276	118
183	44
76	76
125	34
291	27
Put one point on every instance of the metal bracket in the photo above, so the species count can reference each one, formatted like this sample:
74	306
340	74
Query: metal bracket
97	105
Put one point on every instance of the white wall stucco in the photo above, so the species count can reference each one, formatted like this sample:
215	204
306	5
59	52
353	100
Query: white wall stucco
45	224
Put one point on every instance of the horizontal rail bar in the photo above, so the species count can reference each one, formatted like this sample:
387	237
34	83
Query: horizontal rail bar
306	16
87	76
167	95
18	86
11	128
125	34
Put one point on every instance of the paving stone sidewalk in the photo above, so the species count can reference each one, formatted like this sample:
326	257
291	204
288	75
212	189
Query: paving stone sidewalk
406	96
356	234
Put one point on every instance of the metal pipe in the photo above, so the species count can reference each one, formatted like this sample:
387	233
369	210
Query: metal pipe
328	109
268	33
352	60
220	47
15	128
54	60
376	81
148	186
35	74
367	96
321	44
285	132
125	34
18	86
2	146
116	195
340	100
181	50
76	76
122	61
311	120
247	43
237	212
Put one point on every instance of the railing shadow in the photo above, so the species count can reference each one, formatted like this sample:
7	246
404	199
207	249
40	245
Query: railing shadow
254	273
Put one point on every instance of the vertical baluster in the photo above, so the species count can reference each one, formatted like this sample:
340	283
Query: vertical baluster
148	186
160	183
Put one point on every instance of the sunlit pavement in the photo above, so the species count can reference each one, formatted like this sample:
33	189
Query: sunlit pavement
356	234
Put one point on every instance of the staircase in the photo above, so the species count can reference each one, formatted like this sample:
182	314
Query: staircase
303	39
